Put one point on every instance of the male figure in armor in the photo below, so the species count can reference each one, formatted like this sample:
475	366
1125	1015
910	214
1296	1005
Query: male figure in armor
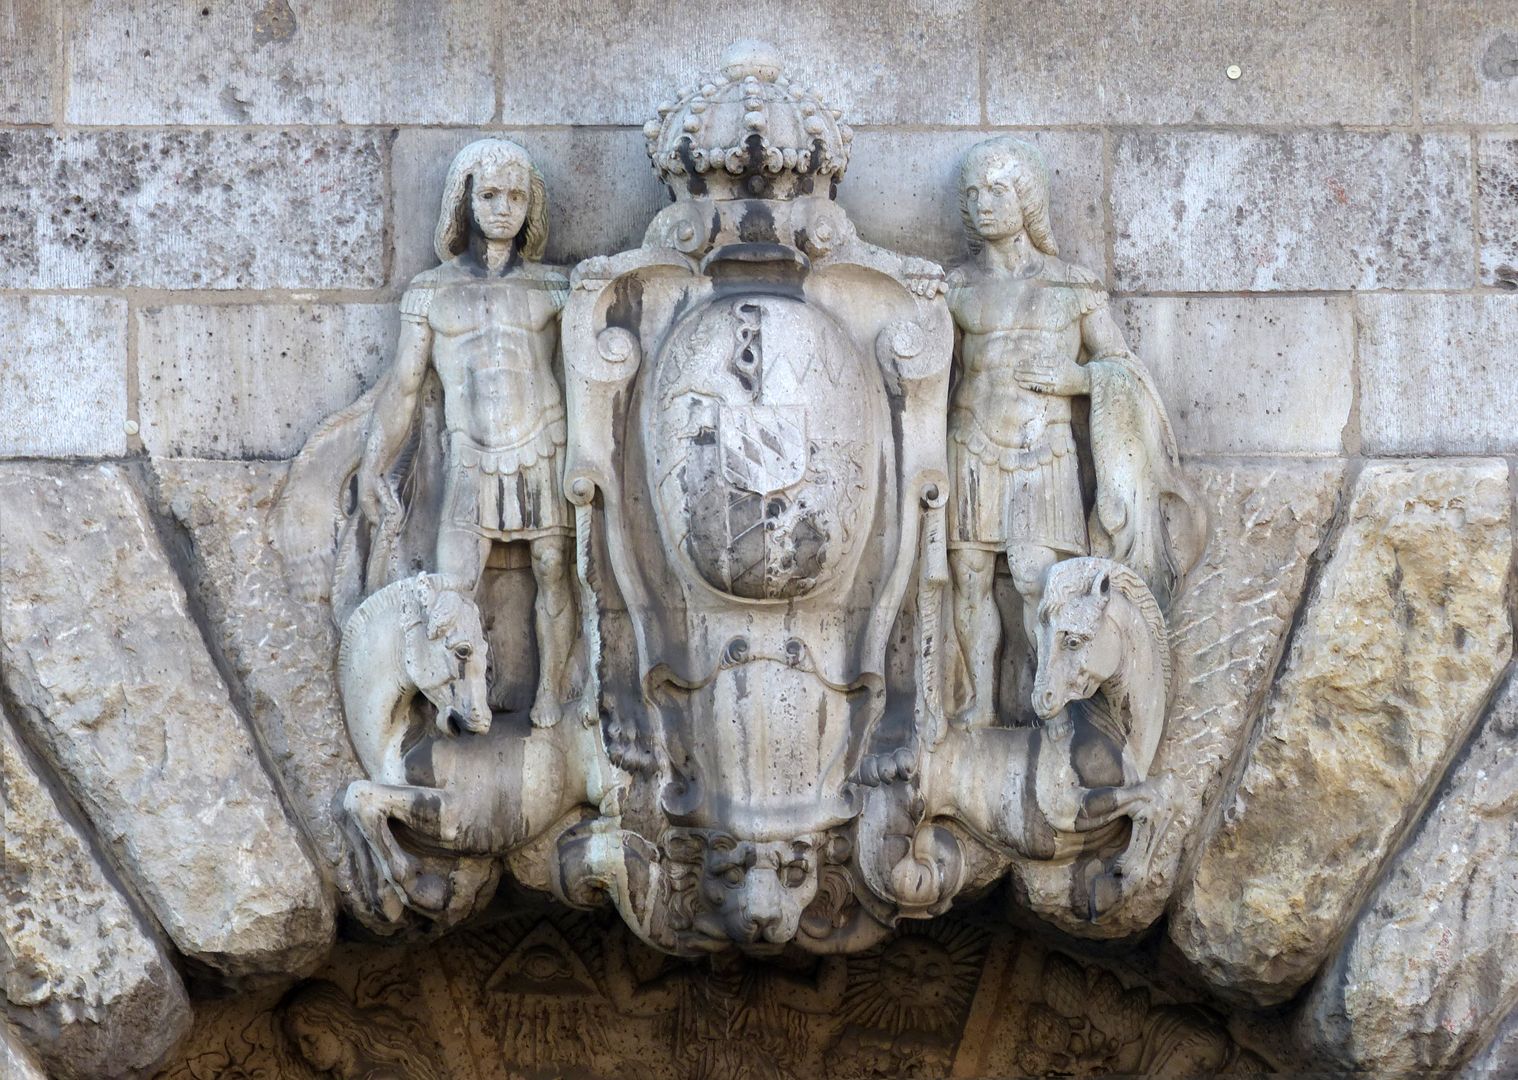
486	321
1026	319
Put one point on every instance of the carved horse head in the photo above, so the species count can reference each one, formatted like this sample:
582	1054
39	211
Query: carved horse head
1079	647
444	653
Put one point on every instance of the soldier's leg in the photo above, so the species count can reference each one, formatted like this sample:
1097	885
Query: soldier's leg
1030	564
978	626
554	621
461	555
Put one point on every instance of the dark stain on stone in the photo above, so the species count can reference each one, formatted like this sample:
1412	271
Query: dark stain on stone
274	24
1500	61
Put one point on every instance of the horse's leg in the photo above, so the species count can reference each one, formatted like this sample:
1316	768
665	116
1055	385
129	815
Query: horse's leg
426	811
367	805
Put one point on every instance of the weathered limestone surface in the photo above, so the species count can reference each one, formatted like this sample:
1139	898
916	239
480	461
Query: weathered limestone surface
273	62
607	170
1468	61
62	376
96	994
1434	371
1497	206
192	209
28	43
1228	630
282	650
1263	375
16	1061
902	191
253	380
1499	1060
645	50
1052	62
1396	652
1313	210
115	686
1428	966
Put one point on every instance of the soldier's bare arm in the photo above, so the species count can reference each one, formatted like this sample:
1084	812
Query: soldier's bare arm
1100	335
393	409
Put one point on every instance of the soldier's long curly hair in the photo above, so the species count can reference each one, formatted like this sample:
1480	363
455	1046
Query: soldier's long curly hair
1030	179
452	235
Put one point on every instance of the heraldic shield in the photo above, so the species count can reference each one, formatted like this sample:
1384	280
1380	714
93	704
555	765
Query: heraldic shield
730	387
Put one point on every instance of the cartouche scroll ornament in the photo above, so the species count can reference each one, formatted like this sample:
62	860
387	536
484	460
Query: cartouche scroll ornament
760	499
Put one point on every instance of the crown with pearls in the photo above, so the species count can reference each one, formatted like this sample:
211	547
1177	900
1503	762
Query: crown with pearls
748	132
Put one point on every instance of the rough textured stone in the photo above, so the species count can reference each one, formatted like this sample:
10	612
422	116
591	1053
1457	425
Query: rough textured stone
192	209
282	651
115	686
16	1061
646	50
1394	655
1497	208
1221	211
1228	629
1051	62
1467	62
901	191
601	190
1258	375
63	383
271	62
95	992
253	380
1428	966
28	44
1436	373
1499	1060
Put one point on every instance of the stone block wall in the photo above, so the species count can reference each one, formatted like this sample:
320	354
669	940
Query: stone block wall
209	209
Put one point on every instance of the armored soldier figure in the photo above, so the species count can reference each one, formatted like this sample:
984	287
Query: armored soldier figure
1036	331
486	321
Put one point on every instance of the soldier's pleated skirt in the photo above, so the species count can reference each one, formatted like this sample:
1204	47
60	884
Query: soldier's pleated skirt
1015	495
514	493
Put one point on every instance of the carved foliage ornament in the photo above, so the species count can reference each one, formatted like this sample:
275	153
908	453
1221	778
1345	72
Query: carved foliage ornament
764	701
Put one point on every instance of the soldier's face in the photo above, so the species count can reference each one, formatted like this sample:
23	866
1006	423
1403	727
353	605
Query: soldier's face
499	201
994	211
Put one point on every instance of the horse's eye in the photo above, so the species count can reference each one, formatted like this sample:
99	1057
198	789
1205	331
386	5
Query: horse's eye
463	651
1074	641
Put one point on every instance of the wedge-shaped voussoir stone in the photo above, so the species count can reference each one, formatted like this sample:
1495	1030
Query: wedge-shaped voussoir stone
283	650
81	976
1432	961
1395	654
116	689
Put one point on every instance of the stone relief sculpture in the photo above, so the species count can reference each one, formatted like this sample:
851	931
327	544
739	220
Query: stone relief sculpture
485	325
1027	320
337	1039
746	729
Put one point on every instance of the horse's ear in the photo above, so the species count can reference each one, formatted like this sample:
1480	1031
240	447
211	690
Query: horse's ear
442	611
1102	585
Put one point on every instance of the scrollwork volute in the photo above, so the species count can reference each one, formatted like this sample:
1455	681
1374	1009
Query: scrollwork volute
759	707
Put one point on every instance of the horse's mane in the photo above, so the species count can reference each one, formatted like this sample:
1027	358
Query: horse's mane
1073	577
390	599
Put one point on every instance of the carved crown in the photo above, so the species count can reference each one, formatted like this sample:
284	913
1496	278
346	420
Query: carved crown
748	132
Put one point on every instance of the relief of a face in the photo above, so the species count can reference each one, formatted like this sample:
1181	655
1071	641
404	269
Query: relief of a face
991	199
322	1050
498	199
